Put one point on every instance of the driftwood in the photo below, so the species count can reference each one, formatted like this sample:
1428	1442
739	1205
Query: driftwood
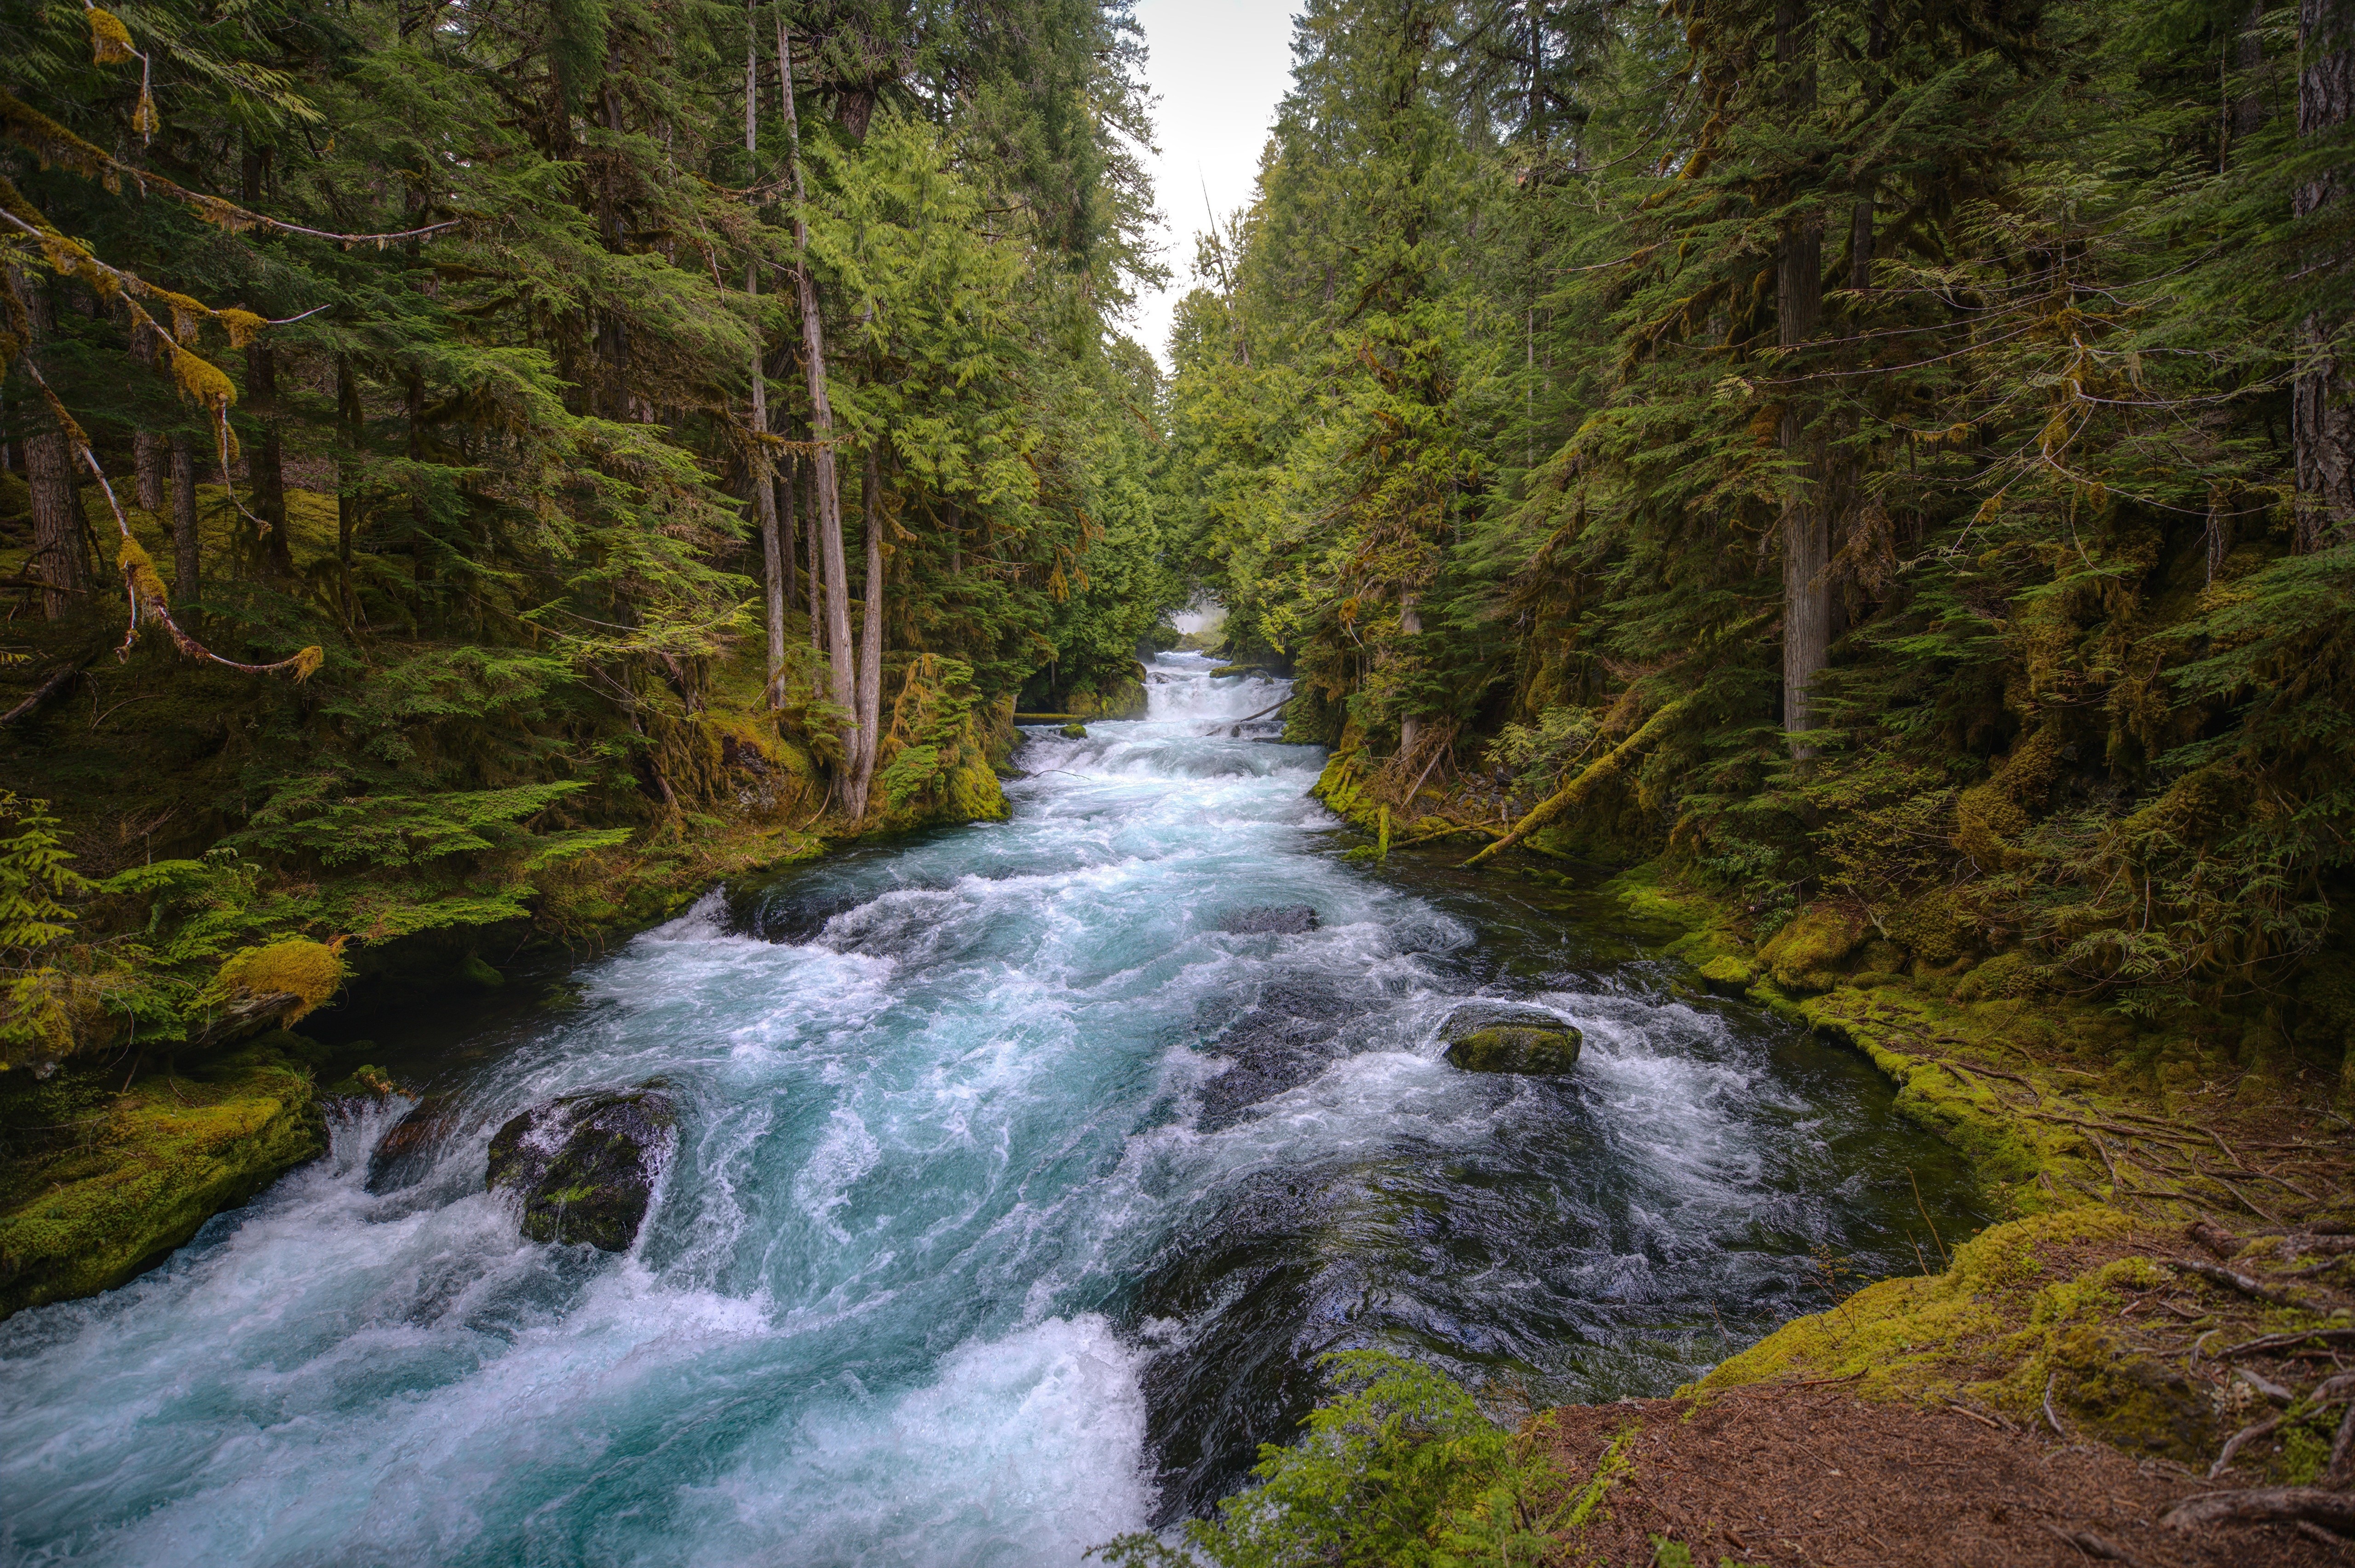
2266	1505
1576	790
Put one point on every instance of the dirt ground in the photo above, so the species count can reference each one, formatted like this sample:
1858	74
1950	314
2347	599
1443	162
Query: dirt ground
1790	1475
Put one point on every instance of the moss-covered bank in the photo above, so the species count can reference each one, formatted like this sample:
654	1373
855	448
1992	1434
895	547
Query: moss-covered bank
119	1180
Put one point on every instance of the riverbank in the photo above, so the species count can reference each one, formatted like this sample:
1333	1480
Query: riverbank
2171	1289
116	1154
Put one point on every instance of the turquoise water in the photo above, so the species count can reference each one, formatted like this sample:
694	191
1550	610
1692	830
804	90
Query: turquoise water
1013	1202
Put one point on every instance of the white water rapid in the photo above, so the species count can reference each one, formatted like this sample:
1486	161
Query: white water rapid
1014	1198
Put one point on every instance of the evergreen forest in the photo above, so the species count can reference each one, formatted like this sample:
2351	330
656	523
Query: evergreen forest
1844	508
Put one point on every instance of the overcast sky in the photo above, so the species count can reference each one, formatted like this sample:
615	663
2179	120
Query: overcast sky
1217	67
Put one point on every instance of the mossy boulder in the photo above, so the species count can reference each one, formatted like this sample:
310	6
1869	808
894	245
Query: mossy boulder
296	976
1726	975
1807	953
1490	1037
586	1164
158	1161
1073	731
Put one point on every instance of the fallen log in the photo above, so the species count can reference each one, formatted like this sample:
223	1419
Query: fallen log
1572	794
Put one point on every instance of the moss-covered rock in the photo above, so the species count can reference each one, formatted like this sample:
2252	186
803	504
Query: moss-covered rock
586	1165
1808	952
1727	975
1073	731
1516	1048
161	1159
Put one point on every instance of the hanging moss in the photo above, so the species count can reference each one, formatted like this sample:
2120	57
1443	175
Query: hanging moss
306	970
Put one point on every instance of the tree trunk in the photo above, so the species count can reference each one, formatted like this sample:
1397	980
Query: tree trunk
265	460
57	523
817	581
788	511
842	668
1798	307
351	418
2323	406
1411	625
774	562
870	639
187	553
147	470
1859	232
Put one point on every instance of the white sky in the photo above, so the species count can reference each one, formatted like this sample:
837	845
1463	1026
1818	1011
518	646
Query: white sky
1219	66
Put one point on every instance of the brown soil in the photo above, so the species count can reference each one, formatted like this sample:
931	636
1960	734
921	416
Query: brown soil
1790	1475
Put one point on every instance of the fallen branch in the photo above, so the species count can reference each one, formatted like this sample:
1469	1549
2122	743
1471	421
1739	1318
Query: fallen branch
2235	1279
2270	1505
2246	1435
2265	1342
1572	794
2092	1545
43	695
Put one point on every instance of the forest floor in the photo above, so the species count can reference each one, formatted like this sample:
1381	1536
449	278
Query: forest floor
2167	1313
1789	1475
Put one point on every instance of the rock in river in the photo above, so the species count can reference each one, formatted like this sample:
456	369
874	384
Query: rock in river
586	1164
1511	1040
1277	919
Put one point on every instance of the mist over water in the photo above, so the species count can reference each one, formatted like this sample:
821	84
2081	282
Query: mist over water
1015	1197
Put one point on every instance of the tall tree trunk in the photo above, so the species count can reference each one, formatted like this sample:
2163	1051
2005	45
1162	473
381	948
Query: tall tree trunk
351	420
842	666
57	523
147	471
1859	231
1411	625
788	531
817	581
870	637
1798	308
764	499
188	555
2323	405
265	461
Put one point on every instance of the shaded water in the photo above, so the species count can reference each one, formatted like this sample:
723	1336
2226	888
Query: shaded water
1014	1199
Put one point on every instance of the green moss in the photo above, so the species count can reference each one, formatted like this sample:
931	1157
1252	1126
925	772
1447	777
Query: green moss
1511	1048
1924	1337
170	1154
2006	976
1726	975
1073	731
1806	954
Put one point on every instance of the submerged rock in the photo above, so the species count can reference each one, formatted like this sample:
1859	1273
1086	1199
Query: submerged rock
1267	919
1502	1039
586	1164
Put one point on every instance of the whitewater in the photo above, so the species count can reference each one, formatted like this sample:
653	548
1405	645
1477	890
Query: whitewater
1016	1196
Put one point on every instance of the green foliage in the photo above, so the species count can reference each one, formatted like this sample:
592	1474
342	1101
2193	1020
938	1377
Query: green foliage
1403	1470
499	468
1484	418
34	878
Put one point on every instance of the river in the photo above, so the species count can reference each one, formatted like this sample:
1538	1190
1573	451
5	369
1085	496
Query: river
1014	1200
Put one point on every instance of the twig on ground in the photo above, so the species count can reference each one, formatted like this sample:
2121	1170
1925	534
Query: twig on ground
2232	1445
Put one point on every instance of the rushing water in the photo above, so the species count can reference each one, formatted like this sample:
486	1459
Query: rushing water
1014	1200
